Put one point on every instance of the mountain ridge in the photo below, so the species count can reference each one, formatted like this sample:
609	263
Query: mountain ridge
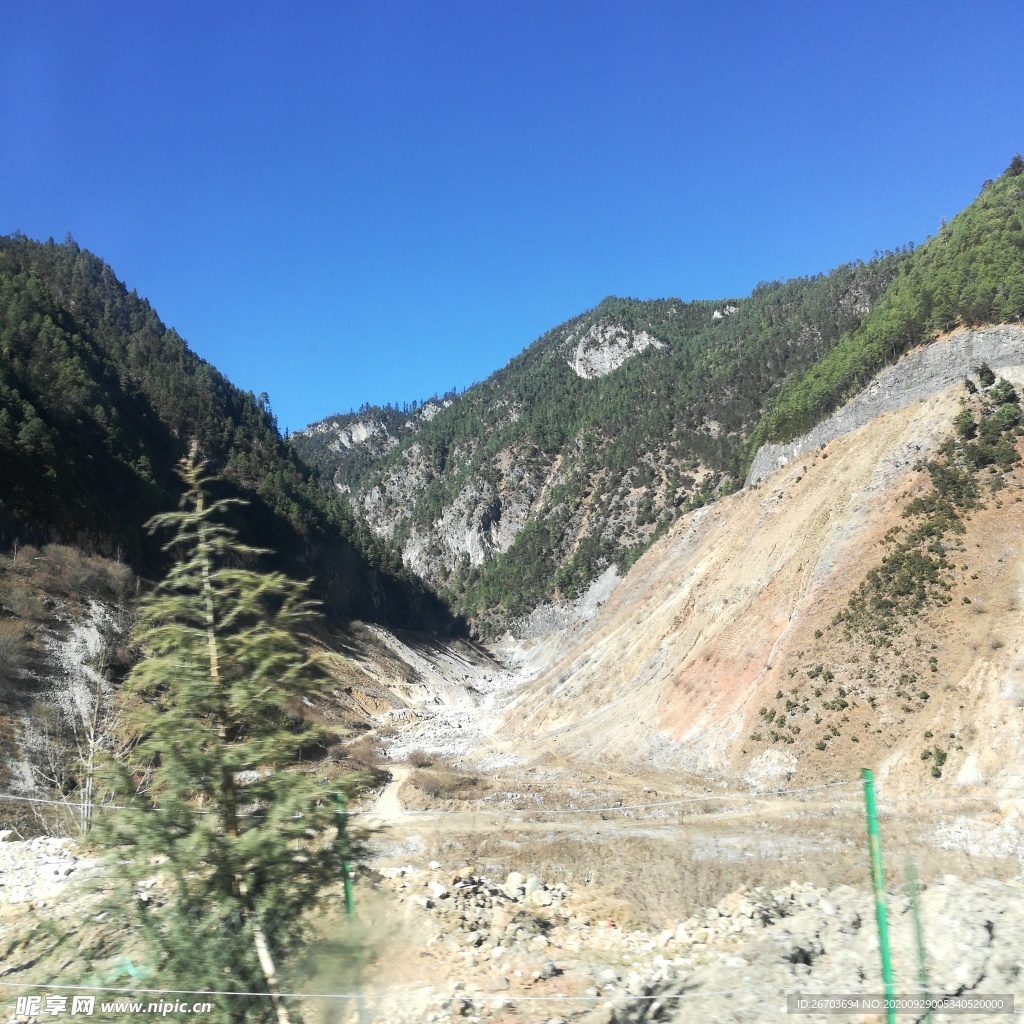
98	400
584	448
536	480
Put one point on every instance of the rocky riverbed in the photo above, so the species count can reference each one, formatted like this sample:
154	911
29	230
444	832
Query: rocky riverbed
524	949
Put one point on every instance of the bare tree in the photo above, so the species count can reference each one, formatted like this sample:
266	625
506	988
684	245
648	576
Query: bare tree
80	727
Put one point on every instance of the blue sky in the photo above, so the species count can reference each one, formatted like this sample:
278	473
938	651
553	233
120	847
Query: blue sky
348	202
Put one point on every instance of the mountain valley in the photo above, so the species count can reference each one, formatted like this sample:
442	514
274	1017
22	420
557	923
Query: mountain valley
605	640
583	450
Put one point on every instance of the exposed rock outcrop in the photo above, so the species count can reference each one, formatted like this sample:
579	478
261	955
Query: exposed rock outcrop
605	347
916	376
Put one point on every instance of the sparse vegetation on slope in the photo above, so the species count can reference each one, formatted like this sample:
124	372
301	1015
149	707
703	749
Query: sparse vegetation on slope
921	554
888	658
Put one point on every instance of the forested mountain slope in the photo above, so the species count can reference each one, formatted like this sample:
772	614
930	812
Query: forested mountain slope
585	447
98	401
971	273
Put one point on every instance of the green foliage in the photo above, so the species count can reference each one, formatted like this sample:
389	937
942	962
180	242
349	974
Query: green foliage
938	757
971	273
213	781
985	374
97	399
1003	393
964	424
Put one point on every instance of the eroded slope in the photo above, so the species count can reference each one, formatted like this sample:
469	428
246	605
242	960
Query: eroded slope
730	619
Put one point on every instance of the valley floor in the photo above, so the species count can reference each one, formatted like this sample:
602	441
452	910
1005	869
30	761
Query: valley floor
674	902
507	882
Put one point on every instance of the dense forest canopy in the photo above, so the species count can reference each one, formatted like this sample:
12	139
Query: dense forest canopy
98	400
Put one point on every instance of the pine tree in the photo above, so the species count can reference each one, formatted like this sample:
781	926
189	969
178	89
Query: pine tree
213	780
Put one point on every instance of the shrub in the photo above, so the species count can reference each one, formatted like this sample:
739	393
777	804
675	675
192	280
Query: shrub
12	648
443	782
364	751
984	373
1003	393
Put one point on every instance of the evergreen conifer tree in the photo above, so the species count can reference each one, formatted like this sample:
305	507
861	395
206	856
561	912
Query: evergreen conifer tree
213	779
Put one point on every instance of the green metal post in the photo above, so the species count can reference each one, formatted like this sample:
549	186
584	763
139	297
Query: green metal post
350	903
922	959
878	881
346	867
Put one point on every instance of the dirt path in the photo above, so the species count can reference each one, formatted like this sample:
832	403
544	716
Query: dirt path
389	808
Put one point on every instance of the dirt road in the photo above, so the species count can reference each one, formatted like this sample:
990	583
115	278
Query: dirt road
389	808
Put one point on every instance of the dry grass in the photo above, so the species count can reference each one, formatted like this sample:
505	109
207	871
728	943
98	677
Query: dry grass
58	569
364	752
12	647
656	876
442	781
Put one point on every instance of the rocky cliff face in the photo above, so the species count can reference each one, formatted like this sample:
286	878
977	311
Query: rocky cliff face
605	347
917	376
